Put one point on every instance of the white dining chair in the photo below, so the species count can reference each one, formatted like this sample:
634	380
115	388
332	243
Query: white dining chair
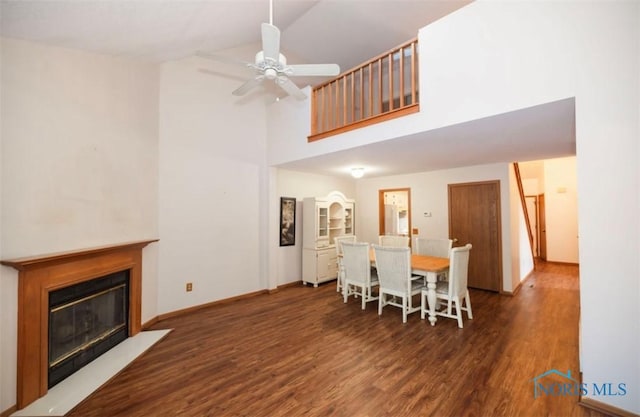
358	277
454	291
394	241
338	245
394	274
433	247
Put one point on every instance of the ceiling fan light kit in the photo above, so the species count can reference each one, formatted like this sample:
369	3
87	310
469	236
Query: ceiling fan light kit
272	65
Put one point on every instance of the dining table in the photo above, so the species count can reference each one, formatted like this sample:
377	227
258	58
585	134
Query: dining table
427	268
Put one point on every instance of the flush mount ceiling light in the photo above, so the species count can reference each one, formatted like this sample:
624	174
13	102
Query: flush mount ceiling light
357	172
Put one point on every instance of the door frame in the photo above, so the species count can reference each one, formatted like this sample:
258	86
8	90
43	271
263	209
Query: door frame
381	208
542	227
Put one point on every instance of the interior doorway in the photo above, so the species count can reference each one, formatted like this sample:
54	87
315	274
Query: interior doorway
395	211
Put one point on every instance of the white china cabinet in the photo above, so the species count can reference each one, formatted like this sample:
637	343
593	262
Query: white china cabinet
324	218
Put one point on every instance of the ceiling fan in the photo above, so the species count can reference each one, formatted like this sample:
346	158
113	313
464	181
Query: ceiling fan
270	64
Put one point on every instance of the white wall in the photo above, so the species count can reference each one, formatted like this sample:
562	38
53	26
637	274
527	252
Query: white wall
429	193
213	180
561	201
532	173
79	165
300	185
79	148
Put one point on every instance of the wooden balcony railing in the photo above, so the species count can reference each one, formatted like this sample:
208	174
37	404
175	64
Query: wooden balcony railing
383	88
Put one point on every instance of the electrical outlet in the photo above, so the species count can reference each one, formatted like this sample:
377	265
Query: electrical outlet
189	286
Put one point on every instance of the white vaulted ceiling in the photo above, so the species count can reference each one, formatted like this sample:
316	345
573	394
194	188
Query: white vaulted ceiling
346	32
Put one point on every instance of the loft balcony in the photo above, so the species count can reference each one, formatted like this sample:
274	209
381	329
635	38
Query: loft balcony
381	89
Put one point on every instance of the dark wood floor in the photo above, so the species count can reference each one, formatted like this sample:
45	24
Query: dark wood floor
302	352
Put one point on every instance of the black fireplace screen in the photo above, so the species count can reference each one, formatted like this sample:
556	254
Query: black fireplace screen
86	320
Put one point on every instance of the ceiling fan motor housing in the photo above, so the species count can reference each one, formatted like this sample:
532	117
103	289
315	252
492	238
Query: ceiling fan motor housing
269	67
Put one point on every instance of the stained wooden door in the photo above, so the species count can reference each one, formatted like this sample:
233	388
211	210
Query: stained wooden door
474	217
542	224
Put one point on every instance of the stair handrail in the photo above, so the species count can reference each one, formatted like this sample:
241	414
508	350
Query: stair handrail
523	201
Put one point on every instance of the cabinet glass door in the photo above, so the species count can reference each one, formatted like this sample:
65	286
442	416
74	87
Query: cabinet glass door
348	221
323	219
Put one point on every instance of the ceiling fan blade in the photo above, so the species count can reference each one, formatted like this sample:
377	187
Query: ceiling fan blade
244	88
271	42
222	74
224	59
314	70
291	89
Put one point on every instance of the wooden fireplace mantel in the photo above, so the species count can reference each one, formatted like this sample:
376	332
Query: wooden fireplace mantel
38	275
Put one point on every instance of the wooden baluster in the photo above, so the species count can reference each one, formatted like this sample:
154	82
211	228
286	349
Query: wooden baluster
332	101
380	86
361	94
344	101
325	113
370	89
329	114
314	111
413	73
327	107
320	109
336	104
339	121
390	82
353	98
401	70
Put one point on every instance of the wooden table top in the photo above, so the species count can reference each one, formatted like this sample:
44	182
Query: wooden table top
422	262
429	263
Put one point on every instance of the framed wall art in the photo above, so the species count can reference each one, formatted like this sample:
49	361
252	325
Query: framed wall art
287	221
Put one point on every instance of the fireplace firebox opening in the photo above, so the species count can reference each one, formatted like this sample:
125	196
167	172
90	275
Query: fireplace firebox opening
86	320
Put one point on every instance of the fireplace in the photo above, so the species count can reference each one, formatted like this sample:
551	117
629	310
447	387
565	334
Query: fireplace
44	302
85	321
